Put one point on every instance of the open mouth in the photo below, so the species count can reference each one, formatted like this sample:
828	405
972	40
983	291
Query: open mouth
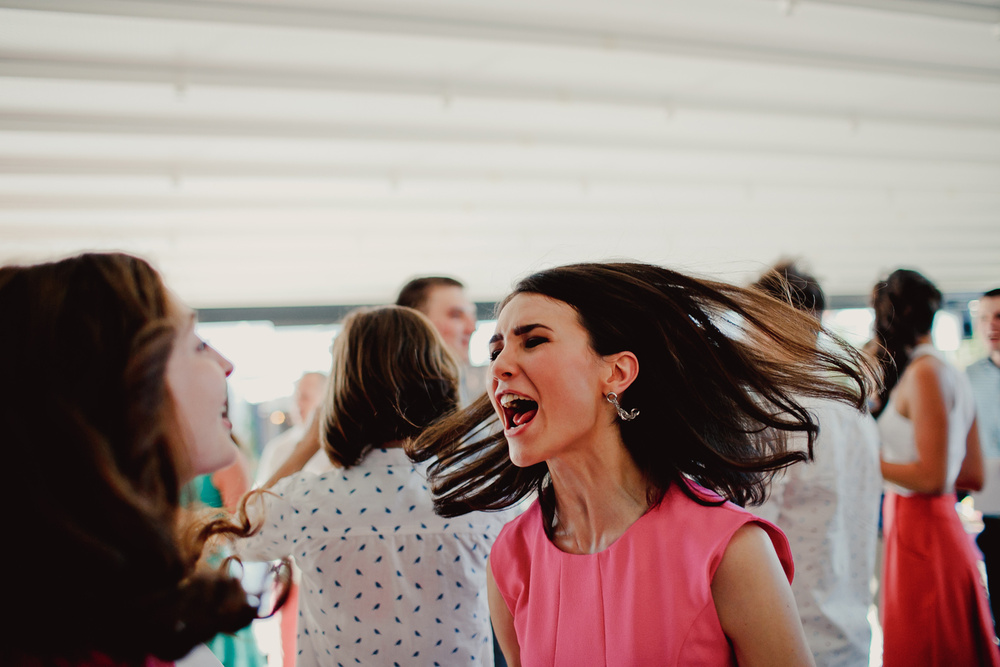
517	410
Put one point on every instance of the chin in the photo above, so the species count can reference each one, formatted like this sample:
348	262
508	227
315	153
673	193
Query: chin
218	457
521	459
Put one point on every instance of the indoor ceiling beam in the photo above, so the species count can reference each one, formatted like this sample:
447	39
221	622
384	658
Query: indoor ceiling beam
145	125
502	30
184	76
977	12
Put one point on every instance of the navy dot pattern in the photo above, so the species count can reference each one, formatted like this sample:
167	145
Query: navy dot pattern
384	580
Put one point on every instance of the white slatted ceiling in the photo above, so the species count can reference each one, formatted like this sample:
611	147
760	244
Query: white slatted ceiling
289	153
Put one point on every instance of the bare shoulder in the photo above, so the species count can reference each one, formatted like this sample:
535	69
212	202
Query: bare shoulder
921	383
748	568
926	367
755	603
749	546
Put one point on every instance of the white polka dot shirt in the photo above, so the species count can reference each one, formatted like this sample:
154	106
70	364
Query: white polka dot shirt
384	580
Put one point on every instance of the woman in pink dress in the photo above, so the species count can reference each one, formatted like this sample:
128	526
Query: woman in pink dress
109	403
934	607
643	407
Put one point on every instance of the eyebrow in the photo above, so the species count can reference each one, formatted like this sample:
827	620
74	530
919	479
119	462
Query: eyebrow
518	331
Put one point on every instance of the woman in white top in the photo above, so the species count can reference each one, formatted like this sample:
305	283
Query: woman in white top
934	609
384	580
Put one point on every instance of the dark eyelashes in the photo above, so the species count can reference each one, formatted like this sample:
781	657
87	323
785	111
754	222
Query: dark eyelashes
534	341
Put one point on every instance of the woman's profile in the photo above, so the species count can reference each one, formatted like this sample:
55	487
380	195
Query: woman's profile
110	403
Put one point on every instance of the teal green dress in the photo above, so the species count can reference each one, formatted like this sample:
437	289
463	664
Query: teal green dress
240	649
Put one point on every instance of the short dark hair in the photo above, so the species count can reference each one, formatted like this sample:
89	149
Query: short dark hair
787	282
392	375
721	370
415	293
992	294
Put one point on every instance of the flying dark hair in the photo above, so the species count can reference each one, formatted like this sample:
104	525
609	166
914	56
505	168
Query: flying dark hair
391	377
416	292
721	368
96	558
786	282
905	304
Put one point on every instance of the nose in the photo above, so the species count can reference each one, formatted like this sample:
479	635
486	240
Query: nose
470	324
503	364
226	365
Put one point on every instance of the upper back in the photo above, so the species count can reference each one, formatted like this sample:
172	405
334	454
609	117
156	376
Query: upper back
380	571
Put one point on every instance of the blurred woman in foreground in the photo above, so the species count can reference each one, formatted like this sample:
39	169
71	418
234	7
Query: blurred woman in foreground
109	403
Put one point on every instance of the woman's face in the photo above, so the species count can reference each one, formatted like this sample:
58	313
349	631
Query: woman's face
196	379
548	383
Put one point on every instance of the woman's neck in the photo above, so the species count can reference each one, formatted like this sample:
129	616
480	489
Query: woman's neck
392	444
597	497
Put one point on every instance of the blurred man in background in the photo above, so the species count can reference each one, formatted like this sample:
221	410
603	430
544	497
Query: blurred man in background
985	378
446	305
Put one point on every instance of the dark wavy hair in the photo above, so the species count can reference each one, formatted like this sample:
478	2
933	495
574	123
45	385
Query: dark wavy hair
99	556
721	368
905	304
391	377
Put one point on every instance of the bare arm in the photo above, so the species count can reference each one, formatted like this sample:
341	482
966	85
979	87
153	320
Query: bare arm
972	475
503	622
922	401
755	603
305	450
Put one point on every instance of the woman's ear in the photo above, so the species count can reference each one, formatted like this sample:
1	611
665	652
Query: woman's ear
623	368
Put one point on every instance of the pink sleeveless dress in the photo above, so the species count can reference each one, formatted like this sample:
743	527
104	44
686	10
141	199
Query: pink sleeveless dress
645	600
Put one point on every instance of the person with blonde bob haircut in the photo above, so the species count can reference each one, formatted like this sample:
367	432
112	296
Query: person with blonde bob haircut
384	580
110	403
642	406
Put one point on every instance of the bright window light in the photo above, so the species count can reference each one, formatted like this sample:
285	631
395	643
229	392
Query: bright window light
946	331
479	343
268	360
852	324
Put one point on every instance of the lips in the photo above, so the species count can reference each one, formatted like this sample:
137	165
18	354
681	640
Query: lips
518	410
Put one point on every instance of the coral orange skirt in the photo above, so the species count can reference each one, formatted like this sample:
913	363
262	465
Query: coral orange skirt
934	605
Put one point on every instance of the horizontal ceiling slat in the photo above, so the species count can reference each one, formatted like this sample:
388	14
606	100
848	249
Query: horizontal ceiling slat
323	152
